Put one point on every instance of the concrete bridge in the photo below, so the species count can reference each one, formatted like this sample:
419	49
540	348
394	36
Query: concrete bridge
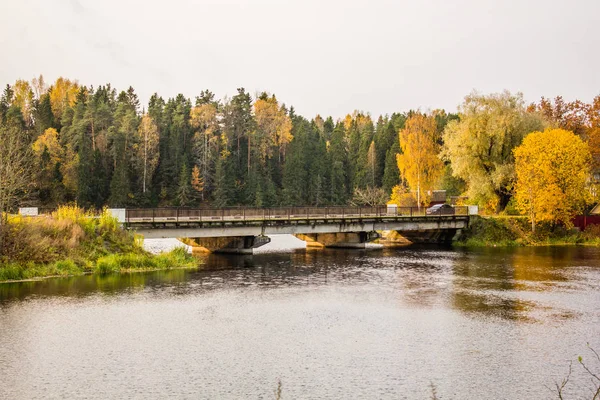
239	230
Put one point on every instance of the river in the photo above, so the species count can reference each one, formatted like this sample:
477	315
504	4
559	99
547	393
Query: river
328	324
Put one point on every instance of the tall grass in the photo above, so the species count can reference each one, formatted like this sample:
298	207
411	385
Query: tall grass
73	241
177	258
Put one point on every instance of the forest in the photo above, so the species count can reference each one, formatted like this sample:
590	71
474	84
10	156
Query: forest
98	146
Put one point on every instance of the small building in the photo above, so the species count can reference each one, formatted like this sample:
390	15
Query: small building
437	197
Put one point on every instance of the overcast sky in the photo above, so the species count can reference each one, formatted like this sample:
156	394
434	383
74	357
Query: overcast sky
321	56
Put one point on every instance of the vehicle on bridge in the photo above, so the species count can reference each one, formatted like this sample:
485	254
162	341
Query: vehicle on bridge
441	209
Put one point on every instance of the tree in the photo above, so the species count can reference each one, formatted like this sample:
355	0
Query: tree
224	187
338	167
39	87
15	170
419	163
203	118
23	98
273	128
402	197
197	182
48	156
146	148
63	94
372	162
552	169
593	133
391	173
480	145
571	116
184	188
370	196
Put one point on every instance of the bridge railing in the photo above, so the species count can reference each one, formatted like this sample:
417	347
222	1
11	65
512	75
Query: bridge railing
141	215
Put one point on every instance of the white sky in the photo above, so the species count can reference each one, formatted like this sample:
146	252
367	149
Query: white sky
321	56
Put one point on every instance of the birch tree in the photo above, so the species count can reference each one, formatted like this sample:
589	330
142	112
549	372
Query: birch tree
147	149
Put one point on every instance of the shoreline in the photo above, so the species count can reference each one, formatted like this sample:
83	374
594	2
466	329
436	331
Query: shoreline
456	245
86	273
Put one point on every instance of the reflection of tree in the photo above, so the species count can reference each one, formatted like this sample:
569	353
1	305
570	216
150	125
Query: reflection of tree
487	280
89	284
480	279
539	265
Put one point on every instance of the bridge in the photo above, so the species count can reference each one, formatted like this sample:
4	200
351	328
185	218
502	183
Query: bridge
239	230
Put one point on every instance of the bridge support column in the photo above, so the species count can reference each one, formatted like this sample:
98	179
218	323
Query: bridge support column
441	236
232	244
351	240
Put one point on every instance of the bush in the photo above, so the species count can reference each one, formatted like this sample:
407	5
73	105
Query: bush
488	231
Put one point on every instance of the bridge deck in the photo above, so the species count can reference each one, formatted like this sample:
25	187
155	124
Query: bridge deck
251	216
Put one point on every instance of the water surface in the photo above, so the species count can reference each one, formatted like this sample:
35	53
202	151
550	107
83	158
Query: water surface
494	324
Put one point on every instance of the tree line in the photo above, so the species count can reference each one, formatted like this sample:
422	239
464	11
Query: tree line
97	147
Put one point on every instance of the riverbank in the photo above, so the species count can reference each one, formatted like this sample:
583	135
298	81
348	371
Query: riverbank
507	231
73	242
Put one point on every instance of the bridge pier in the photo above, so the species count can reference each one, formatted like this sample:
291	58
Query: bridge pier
229	244
347	240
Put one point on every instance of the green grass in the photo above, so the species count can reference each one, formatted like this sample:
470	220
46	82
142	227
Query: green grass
74	242
115	263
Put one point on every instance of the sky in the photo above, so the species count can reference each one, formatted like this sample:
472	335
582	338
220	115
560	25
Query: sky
326	57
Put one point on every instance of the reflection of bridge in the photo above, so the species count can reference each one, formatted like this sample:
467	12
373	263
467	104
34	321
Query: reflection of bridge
240	230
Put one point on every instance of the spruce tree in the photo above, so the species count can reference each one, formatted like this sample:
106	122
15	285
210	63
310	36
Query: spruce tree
338	180
184	187
391	174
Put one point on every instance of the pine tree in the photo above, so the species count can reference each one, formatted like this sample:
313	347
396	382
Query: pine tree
184	188
222	195
294	170
119	184
338	180
391	174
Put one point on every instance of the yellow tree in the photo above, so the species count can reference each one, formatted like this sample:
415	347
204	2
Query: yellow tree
204	119
273	127
419	163
23	97
552	169
197	181
48	141
48	155
62	95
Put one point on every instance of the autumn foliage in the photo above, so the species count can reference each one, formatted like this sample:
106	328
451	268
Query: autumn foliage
552	169
419	163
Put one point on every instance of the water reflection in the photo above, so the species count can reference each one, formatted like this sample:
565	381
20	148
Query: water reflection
87	284
328	323
493	282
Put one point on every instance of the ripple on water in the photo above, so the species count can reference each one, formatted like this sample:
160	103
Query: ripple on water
328	324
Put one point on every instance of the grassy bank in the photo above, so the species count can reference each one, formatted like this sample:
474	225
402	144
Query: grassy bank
73	242
504	231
